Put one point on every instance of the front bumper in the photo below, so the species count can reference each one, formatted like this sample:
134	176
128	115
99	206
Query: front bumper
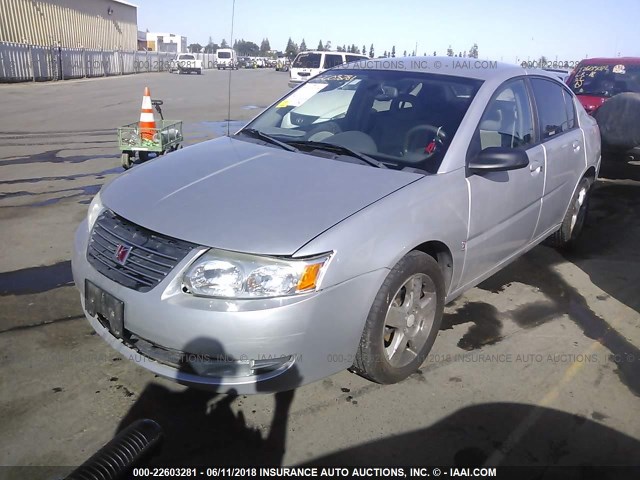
307	337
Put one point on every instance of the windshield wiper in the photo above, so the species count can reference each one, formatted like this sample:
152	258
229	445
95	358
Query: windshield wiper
254	133
339	149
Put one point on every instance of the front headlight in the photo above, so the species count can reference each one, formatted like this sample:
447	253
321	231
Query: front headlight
95	209
225	274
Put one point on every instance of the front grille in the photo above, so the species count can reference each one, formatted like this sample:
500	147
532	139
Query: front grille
151	258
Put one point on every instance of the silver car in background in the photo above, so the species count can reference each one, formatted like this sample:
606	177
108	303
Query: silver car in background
330	232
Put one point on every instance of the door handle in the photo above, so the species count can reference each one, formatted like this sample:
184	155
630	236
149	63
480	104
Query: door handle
535	167
576	146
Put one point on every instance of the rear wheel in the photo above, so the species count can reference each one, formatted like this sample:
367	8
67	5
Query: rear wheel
403	321
566	237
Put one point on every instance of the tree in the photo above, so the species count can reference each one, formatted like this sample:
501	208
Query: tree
264	47
364	49
465	54
434	54
339	49
449	51
384	54
195	48
211	47
393	51
292	49
224	44
320	46
354	49
247	49
473	52
327	46
371	51
303	46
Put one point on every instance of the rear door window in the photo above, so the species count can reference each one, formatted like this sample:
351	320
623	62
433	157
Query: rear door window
353	58
307	60
332	60
552	110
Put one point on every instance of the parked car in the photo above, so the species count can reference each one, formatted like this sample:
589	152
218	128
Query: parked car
331	236
310	63
186	63
226	58
561	73
609	89
282	64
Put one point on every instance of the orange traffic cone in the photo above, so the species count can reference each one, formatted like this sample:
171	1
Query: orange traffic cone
147	124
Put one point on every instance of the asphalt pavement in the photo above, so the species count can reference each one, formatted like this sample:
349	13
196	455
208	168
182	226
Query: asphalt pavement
539	365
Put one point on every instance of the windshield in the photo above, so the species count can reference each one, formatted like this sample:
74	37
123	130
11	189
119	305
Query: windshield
605	80
224	54
187	57
307	60
399	118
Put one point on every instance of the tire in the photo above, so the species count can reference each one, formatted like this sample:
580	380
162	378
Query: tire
388	354
199	71
125	161
144	156
619	122
573	223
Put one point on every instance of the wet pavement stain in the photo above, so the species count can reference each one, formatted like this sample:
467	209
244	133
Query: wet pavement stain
486	329
51	156
36	279
599	416
534	314
84	190
97	175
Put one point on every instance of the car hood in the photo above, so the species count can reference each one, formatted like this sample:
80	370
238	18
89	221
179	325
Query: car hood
591	102
241	196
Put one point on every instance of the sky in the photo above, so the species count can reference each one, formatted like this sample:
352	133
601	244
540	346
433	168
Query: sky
509	31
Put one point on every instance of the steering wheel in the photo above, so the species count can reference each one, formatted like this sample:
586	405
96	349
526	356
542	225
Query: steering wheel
431	138
323	131
401	100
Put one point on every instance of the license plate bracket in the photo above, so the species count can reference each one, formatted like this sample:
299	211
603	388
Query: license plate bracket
108	309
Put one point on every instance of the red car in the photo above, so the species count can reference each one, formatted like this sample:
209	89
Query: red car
609	89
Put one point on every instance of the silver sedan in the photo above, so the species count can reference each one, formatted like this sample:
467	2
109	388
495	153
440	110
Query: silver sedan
330	232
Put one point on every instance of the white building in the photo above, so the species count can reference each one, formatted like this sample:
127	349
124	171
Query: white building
166	42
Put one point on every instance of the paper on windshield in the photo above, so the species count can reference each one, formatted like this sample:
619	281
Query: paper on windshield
301	95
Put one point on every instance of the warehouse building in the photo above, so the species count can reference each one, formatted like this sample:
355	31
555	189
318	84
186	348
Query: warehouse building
91	24
166	42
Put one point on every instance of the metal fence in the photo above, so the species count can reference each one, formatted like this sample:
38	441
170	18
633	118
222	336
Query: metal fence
31	63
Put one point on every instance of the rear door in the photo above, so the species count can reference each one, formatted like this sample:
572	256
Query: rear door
564	147
504	205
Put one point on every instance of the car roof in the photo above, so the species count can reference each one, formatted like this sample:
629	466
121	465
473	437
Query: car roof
611	61
333	51
453	66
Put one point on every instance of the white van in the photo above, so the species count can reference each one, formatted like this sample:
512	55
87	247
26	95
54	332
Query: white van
226	58
312	62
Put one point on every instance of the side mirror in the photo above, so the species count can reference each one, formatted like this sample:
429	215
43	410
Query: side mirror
499	159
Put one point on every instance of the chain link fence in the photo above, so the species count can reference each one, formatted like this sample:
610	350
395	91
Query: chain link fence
32	63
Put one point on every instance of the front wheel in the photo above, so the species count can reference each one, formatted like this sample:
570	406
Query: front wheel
125	160
572	224
403	322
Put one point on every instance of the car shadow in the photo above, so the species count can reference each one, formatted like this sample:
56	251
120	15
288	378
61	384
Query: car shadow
200	427
501	434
